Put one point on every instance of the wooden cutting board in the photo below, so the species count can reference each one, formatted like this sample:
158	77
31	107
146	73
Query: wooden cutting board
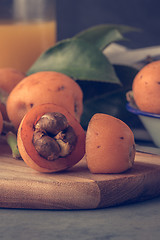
77	188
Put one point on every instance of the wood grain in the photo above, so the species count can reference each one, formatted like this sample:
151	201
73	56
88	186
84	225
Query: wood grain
76	188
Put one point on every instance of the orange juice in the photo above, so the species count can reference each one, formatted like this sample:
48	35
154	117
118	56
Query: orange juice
22	43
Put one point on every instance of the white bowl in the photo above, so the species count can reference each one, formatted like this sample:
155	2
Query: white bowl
150	121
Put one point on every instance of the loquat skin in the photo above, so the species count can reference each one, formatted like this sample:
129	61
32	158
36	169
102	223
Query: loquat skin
9	78
44	87
4	112
110	146
1	122
27	148
146	88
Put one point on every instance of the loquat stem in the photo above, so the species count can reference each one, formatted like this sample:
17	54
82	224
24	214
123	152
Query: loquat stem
12	142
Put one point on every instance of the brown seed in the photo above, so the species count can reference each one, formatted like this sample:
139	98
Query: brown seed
52	123
46	146
53	137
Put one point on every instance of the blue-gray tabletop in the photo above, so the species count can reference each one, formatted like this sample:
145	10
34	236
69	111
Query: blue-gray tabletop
128	222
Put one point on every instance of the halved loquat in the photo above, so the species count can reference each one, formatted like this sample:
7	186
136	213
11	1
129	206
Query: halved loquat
110	145
50	139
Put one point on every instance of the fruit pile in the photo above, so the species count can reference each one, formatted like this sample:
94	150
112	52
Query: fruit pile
45	110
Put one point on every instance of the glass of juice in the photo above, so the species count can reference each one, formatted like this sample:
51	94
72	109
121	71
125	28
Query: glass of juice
27	29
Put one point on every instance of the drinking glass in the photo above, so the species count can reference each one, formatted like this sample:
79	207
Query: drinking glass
27	28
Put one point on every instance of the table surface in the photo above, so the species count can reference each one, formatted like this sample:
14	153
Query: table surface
127	222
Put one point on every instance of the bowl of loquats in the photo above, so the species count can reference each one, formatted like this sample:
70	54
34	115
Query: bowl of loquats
144	99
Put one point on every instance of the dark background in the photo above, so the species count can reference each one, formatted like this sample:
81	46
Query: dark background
74	16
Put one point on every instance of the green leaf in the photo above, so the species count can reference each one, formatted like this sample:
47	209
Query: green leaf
114	105
126	75
102	35
95	89
112	100
77	59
